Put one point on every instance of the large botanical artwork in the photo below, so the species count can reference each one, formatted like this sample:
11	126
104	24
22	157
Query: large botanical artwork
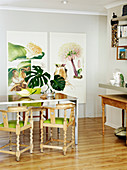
24	50
68	59
70	52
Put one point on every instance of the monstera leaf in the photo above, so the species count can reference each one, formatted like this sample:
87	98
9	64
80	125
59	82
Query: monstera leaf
58	83
37	77
16	52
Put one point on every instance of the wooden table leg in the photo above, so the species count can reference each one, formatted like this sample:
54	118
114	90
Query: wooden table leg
126	125
46	119
103	116
122	117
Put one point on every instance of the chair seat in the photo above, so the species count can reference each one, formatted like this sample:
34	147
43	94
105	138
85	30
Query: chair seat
57	120
12	124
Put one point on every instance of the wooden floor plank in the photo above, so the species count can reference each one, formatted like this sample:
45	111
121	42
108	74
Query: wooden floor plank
94	152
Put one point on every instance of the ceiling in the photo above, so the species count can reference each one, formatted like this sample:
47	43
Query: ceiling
93	6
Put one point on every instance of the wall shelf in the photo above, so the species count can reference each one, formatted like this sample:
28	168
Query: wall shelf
122	18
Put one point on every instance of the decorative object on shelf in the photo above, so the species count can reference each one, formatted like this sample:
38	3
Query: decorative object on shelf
37	77
114	24
124	10
121	52
118	79
122	80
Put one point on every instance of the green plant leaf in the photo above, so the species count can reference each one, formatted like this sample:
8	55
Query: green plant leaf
47	75
58	83
16	52
28	77
39	56
37	77
38	69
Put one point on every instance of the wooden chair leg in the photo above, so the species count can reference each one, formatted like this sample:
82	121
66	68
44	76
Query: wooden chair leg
31	138
51	134
10	141
41	145
46	119
17	151
65	147
73	127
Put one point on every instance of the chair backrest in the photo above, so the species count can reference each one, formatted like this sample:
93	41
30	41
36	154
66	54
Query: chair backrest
17	110
64	107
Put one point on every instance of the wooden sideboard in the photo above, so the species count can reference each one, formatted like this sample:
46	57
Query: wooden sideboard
119	101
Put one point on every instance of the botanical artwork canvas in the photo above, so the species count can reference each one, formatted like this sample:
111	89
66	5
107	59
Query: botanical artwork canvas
68	59
24	50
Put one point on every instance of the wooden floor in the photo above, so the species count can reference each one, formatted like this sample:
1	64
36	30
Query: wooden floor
94	152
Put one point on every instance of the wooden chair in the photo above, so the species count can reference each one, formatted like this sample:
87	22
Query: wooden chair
17	127
55	122
35	107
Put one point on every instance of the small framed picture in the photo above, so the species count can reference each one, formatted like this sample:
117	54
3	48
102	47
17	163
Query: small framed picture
121	52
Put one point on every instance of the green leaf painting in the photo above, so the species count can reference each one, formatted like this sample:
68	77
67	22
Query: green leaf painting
21	69
39	56
24	64
16	52
10	75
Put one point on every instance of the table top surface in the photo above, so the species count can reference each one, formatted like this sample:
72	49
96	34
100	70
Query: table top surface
116	97
15	99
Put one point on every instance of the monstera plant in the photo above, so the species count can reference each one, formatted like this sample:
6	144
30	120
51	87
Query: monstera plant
37	77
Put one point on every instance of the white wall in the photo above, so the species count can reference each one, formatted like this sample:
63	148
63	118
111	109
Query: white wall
114	114
95	29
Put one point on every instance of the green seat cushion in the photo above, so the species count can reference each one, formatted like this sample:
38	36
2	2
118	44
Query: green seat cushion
57	120
12	123
37	91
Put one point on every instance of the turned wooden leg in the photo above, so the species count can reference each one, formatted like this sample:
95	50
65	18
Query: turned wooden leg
41	126
64	148
31	138
46	119
10	141
17	151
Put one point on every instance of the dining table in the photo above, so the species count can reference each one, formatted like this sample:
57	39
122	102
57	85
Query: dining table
34	98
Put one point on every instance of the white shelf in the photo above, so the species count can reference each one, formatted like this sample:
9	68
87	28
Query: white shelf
122	18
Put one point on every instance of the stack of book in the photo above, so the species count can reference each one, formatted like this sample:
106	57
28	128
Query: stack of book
122	31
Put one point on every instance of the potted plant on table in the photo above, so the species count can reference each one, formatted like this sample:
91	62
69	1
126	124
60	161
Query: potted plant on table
37	77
